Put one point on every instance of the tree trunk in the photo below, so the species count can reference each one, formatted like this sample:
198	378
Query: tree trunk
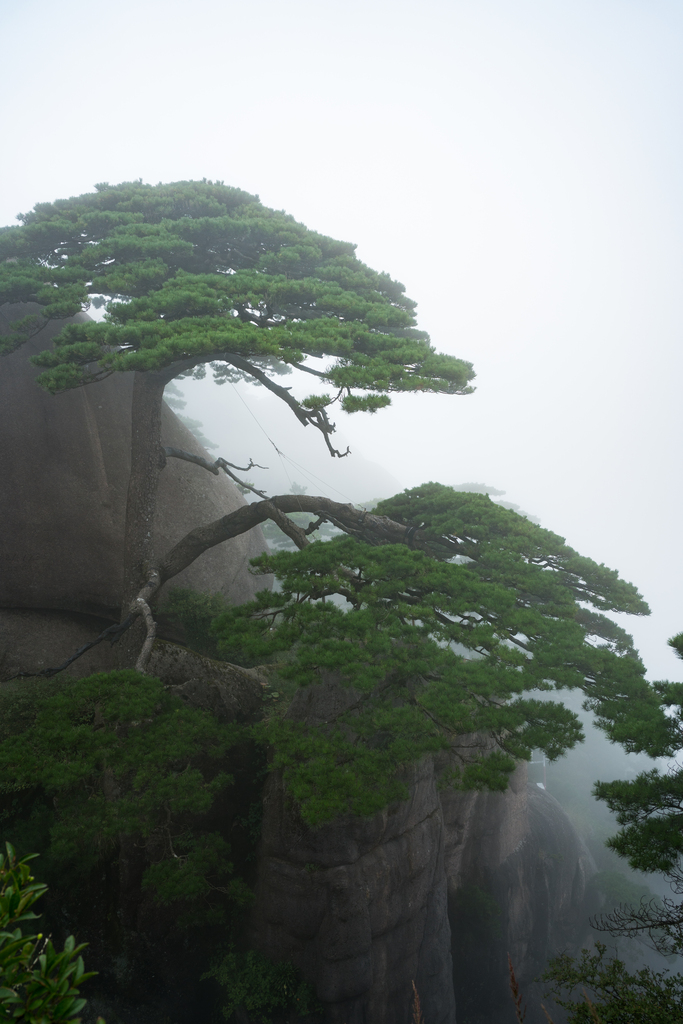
146	462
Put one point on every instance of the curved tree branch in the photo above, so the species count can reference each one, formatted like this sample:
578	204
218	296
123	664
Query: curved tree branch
144	655
356	522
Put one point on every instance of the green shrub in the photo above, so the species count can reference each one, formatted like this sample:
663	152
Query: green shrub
254	983
38	985
115	753
646	997
195	613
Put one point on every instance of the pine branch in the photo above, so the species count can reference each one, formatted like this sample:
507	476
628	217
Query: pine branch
355	522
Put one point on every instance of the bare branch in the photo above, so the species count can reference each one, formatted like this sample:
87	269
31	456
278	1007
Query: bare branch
215	467
178	453
112	634
317	417
243	469
243	483
144	655
661	921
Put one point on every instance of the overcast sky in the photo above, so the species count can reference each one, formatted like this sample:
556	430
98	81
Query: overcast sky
517	165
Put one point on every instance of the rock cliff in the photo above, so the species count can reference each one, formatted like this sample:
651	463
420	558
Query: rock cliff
64	463
436	889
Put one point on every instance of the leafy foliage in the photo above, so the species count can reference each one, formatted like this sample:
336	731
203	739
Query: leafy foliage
649	810
38	985
477	914
435	648
195	271
646	997
254	983
617	888
115	753
195	612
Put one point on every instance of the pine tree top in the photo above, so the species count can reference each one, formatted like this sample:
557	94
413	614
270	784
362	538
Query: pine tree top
195	272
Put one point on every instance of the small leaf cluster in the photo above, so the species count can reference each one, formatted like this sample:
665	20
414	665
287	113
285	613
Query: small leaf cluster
477	914
195	612
649	808
115	753
193	271
646	997
37	984
435	647
254	983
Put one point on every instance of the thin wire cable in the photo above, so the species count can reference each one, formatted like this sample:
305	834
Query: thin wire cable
311	476
281	455
258	424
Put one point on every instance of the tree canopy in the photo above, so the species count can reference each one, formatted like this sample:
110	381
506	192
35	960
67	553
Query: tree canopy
439	642
195	272
446	591
192	273
649	810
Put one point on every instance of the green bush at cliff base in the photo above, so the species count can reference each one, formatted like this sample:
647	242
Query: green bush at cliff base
254	983
38	985
646	997
114	754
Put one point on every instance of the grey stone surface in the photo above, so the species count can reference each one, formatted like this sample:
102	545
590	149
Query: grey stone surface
64	465
231	693
436	889
517	883
358	904
32	639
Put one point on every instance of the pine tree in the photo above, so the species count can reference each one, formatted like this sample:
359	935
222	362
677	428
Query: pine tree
649	810
454	629
192	273
457	609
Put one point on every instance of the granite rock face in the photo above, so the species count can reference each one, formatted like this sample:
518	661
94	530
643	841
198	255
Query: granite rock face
229	692
64	463
517	883
360	905
436	889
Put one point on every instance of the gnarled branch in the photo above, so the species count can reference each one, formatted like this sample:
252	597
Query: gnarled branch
317	417
144	655
356	522
215	467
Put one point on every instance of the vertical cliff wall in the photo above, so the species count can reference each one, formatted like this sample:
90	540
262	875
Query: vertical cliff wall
64	465
358	905
435	889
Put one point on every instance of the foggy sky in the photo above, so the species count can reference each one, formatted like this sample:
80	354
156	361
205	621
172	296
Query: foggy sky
516	166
